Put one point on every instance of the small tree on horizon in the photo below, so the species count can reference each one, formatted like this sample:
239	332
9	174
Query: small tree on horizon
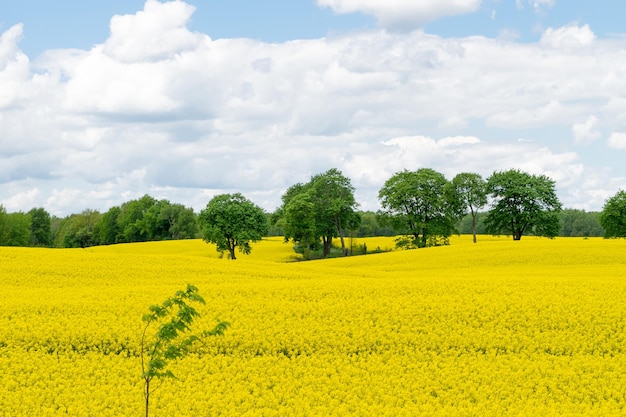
232	221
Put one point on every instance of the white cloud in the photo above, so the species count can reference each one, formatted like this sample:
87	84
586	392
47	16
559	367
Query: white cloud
14	68
402	14
568	37
156	33
617	140
191	116
586	133
27	198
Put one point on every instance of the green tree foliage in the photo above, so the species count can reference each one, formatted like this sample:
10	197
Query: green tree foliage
146	219
522	203
467	192
231	221
415	203
464	225
370	226
299	221
580	223
14	228
172	341
335	207
108	230
329	211
132	225
177	221
613	216
4	226
40	227
77	230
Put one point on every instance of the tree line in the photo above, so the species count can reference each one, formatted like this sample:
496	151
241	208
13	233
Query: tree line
422	207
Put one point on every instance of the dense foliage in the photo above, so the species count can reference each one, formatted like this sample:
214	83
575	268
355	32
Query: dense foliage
423	206
416	204
573	223
613	217
522	202
314	213
231	221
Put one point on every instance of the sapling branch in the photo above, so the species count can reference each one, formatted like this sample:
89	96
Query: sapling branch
176	317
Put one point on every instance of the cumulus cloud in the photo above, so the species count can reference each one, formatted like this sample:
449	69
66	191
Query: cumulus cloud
190	116
617	140
14	68
156	33
402	14
567	37
586	133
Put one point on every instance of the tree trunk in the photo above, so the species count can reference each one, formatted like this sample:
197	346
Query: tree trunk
340	230
327	240
474	225
147	395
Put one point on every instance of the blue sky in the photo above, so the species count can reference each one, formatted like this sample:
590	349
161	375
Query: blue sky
101	102
81	24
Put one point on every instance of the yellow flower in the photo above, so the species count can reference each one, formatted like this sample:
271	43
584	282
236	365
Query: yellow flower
535	327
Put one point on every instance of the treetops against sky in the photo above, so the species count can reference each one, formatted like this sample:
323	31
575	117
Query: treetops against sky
103	102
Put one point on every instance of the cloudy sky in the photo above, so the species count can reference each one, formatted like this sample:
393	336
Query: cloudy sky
103	102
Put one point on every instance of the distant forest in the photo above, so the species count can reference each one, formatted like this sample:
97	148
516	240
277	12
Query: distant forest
148	219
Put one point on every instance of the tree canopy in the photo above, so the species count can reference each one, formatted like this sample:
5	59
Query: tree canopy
613	216
232	221
468	191
522	202
322	209
415	202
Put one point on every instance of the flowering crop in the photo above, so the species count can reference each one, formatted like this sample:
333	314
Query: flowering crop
534	327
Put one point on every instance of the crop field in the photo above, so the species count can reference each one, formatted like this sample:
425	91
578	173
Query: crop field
500	328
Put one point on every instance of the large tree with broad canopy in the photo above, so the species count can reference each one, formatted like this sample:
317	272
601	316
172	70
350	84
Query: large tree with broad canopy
416	204
522	203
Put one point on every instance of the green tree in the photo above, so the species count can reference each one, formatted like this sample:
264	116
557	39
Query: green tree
107	230
177	221
370	226
468	191
328	199
415	204
299	221
464	225
335	207
580	223
77	230
4	226
522	203
613	216
14	228
40	227
131	223
174	318
231	221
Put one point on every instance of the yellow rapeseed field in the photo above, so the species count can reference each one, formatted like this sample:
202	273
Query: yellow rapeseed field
500	328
